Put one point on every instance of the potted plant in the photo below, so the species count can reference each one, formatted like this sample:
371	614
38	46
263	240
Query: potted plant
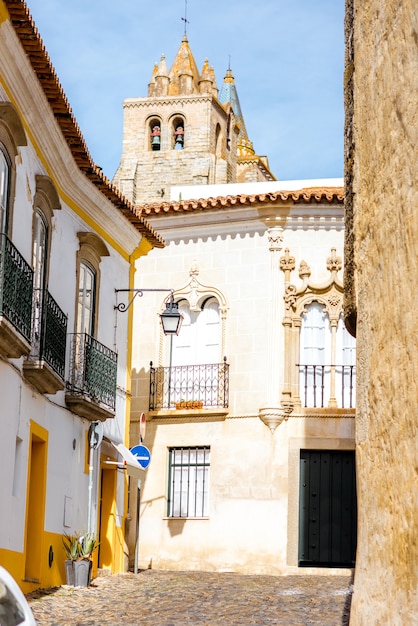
189	404
79	549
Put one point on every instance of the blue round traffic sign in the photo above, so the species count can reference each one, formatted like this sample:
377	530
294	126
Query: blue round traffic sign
142	455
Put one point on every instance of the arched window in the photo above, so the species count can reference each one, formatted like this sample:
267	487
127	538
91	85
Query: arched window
12	135
4	188
199	339
314	339
218	145
155	134
45	366
86	303
195	374
228	133
178	133
39	266
315	356
39	252
92	249
326	360
346	365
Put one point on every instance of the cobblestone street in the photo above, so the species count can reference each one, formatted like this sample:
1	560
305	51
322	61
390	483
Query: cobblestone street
171	598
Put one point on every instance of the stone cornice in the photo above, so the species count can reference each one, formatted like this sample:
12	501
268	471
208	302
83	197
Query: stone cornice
172	101
130	103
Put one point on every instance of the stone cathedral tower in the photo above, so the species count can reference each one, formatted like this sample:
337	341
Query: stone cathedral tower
185	133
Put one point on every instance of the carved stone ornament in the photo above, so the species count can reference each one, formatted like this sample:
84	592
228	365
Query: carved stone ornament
334	299
334	263
275	236
304	270
287	262
287	407
290	297
272	417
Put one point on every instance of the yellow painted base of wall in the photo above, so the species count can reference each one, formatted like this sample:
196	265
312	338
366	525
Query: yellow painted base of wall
53	576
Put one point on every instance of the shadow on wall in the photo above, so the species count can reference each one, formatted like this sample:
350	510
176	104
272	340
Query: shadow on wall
176	526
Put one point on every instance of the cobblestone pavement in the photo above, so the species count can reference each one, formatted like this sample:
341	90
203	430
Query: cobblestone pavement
162	598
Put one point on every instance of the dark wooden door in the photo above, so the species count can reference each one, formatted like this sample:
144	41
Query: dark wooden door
327	508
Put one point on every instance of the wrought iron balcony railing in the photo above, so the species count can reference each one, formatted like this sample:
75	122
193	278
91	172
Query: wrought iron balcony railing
320	383
93	370
203	386
16	281
49	331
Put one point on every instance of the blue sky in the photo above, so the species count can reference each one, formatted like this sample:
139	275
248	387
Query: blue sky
287	59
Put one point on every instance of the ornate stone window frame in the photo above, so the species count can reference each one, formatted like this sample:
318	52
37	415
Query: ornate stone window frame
92	249
196	294
45	202
297	299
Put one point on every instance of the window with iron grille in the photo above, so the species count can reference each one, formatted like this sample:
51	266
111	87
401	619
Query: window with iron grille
188	488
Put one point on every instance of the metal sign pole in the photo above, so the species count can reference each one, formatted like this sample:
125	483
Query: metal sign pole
95	439
138	507
90	502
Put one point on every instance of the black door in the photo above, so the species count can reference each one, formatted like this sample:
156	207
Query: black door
327	508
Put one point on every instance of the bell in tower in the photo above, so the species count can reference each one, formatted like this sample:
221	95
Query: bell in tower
156	138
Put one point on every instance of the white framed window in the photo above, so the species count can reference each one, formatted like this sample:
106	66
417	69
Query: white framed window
198	342
345	367
195	373
4	189
39	266
315	356
188	483
86	299
322	376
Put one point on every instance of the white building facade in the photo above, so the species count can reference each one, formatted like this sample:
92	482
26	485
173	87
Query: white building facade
250	410
68	241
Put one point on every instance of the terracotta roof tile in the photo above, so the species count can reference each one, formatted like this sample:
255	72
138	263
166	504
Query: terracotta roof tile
35	50
308	195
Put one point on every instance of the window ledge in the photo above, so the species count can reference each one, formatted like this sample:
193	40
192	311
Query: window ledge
42	376
185	519
12	344
322	412
208	414
85	407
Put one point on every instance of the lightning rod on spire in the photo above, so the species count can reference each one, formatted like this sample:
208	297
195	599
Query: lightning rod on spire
184	19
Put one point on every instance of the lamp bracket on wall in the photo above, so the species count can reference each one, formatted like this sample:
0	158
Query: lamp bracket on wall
171	318
122	307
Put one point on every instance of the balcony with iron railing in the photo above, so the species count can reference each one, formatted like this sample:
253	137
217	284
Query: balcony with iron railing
322	386
45	366
16	282
190	388
91	388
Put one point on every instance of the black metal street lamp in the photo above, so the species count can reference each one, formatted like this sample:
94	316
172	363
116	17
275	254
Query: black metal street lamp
171	318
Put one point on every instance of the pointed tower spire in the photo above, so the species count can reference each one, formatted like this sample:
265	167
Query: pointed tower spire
161	78
206	81
184	75
215	90
151	84
229	95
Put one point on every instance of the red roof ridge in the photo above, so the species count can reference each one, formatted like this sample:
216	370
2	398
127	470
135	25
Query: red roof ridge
308	194
34	48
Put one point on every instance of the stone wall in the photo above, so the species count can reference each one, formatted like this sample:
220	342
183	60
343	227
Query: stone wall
146	176
382	194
